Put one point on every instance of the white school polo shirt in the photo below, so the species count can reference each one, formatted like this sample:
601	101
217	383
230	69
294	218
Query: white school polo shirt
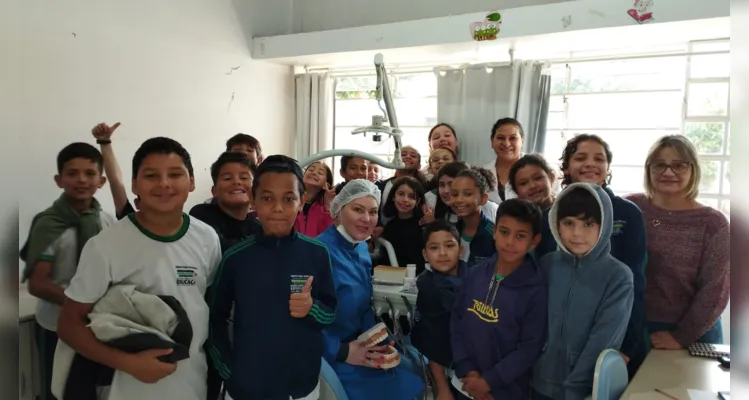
182	265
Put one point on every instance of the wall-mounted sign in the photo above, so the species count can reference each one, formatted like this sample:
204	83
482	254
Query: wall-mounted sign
486	29
642	11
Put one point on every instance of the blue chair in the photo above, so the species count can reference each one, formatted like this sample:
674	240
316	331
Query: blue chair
330	386
610	378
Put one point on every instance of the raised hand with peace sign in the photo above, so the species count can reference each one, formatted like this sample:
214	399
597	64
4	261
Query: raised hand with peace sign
301	303
328	198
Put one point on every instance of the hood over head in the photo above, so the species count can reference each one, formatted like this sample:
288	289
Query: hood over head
603	245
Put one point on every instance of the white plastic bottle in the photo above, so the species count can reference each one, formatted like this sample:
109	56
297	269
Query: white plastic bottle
411	271
409	282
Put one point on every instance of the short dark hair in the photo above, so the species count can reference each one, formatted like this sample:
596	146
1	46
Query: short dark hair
521	210
244	139
451	169
279	164
578	202
161	145
484	179
79	150
440	225
417	186
571	148
529	159
339	187
230	157
507	121
345	160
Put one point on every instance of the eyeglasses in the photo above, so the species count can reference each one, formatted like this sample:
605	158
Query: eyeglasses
678	167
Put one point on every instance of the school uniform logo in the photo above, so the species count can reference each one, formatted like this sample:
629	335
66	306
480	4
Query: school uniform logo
297	283
618	227
485	312
186	275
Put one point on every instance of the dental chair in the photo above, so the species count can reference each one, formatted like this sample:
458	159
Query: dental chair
330	386
610	379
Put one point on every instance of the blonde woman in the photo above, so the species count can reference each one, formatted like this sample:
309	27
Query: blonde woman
688	249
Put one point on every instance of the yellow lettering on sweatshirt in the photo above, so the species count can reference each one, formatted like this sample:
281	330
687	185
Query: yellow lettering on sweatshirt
484	311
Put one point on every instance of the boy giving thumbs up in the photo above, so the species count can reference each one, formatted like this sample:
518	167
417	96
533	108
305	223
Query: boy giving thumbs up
301	303
279	314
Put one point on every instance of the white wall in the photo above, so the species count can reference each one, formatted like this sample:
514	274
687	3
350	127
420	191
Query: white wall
581	16
313	16
283	17
161	67
267	17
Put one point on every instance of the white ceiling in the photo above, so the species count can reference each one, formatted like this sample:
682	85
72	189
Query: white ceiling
636	39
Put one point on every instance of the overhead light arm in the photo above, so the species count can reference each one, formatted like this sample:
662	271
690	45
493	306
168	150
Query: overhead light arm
383	95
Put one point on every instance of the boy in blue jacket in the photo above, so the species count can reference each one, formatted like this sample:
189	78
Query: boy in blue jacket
498	323
438	289
279	313
590	294
587	158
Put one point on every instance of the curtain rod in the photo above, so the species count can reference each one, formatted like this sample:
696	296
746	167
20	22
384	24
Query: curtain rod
420	68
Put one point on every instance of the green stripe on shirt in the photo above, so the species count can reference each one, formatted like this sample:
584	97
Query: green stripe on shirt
222	368
321	316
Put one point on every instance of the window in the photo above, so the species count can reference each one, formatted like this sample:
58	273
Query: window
630	103
415	98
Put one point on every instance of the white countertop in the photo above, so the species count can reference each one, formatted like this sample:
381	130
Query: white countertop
676	372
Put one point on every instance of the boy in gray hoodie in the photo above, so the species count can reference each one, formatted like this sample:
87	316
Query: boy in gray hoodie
590	294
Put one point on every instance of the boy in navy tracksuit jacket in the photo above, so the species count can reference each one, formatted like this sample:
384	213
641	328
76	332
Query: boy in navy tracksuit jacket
438	289
629	246
281	285
590	294
498	324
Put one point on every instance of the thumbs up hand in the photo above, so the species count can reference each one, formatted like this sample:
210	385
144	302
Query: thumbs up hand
301	303
103	131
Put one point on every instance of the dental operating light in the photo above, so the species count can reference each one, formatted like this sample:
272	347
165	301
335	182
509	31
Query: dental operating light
378	127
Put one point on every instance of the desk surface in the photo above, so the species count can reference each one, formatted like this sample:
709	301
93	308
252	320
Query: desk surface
676	370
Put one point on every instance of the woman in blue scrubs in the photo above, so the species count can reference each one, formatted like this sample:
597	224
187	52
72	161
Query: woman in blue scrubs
355	210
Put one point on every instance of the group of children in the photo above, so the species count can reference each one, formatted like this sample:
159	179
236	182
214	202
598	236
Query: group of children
510	323
232	258
75	253
410	201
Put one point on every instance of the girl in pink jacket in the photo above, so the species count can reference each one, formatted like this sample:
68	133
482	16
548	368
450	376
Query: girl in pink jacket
318	186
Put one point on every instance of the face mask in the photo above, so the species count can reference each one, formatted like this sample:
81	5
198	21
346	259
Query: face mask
345	235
